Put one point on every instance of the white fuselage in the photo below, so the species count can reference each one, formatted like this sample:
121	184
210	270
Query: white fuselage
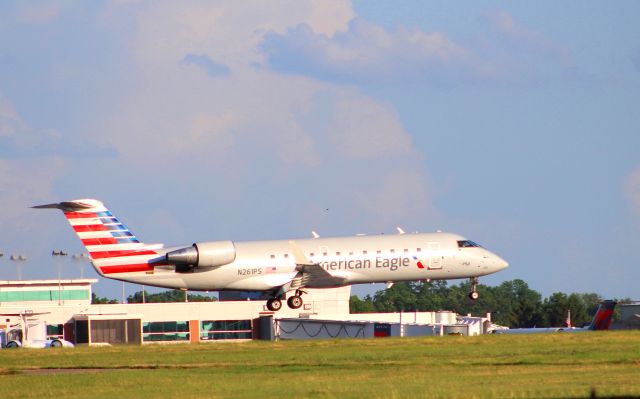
267	265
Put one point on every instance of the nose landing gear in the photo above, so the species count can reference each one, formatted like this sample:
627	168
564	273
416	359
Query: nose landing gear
473	295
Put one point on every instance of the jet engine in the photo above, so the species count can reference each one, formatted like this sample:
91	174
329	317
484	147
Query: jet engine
202	254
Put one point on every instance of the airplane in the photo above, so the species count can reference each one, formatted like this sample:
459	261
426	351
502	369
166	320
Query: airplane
601	321
277	267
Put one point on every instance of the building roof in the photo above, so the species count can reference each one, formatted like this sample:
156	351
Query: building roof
40	283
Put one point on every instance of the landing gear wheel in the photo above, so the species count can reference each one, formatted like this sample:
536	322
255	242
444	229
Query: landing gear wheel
473	295
13	345
274	304
56	344
294	302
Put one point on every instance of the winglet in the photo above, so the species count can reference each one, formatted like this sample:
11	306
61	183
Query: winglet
298	255
315	235
400	231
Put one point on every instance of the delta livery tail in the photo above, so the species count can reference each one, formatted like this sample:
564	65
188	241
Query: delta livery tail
604	316
601	321
279	267
112	246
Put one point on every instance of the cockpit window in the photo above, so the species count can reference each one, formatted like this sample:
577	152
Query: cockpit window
468	244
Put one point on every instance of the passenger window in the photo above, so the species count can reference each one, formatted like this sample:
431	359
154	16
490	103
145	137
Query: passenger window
273	256
364	252
393	251
406	250
418	249
286	255
338	253
378	251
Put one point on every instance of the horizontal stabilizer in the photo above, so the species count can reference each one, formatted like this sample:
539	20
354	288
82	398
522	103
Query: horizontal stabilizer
65	206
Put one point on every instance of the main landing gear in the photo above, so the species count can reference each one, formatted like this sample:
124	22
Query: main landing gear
274	304
294	302
473	295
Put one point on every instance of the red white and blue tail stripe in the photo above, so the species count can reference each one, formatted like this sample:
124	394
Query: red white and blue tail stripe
112	246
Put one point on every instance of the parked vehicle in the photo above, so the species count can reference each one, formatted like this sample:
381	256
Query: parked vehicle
29	334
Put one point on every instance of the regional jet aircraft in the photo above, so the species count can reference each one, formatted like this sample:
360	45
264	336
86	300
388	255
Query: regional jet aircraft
279	267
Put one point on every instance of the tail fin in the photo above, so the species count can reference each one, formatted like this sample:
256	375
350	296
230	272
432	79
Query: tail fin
111	245
604	315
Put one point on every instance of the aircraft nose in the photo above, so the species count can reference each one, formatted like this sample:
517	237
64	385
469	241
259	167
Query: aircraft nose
500	263
495	263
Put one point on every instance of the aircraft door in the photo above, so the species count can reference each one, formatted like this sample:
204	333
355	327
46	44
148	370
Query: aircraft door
435	258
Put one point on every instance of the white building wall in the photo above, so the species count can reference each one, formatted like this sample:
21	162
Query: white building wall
317	301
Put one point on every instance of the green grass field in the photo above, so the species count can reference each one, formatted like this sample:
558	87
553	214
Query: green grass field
545	365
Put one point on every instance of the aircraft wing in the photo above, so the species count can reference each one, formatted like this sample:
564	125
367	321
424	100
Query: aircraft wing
312	274
315	276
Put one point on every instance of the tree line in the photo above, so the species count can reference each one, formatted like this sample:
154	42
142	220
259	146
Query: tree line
511	303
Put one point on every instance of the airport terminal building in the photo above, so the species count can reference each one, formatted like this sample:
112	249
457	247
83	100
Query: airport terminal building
65	308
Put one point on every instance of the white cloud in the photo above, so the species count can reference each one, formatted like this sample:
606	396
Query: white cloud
24	183
225	30
365	52
400	197
329	16
10	121
19	140
23	179
370	53
364	128
523	40
254	127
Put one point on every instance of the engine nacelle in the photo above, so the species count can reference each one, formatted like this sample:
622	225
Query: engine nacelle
203	254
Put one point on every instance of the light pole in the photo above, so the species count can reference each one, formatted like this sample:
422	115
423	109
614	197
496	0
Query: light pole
81	258
56	255
18	259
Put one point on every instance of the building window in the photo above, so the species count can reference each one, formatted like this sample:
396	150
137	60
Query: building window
212	330
55	331
159	331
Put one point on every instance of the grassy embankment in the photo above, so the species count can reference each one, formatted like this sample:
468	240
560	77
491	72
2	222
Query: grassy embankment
546	365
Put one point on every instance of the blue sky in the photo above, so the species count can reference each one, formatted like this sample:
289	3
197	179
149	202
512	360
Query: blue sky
515	124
